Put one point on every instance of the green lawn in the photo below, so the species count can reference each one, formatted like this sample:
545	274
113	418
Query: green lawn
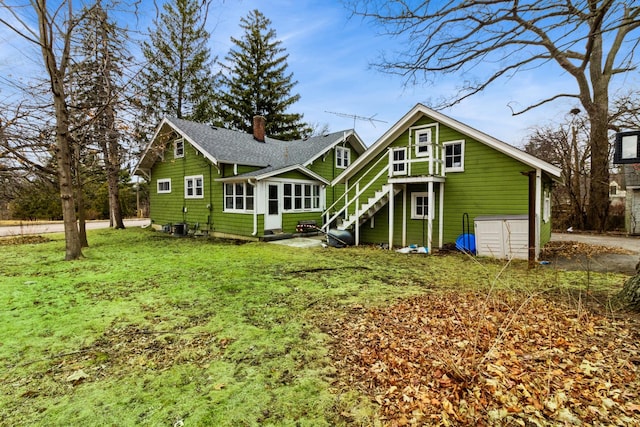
153	330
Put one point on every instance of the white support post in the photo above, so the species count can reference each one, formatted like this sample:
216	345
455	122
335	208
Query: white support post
431	196
357	224
391	208
404	216
538	209
441	216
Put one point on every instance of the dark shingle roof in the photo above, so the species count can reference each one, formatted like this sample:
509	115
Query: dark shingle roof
229	146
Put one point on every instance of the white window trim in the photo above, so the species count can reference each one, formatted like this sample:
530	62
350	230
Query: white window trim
426	131
194	195
313	197
345	155
444	155
244	197
162	181
175	148
395	162
414	196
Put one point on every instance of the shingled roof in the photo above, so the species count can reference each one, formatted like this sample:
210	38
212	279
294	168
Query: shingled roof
235	147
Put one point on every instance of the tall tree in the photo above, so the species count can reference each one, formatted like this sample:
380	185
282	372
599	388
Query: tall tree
591	40
177	79
55	28
567	147
97	88
255	81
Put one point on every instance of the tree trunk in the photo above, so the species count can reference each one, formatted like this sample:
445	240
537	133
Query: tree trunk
629	296
598	209
73	249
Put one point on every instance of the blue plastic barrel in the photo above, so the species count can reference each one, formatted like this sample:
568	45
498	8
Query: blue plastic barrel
466	242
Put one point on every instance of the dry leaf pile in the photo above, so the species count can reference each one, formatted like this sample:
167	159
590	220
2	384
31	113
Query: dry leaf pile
570	249
469	359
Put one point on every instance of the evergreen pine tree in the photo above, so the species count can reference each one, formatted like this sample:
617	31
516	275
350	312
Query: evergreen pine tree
97	93
257	82
177	80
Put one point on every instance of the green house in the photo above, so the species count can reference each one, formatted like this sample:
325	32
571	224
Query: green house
227	183
430	181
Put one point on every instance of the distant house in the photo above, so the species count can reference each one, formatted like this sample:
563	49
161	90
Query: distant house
431	179
227	183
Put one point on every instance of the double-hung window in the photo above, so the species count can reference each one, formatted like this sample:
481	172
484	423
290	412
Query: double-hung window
423	143
420	206
301	197
343	157
399	161
178	148
164	186
454	156
193	187
238	197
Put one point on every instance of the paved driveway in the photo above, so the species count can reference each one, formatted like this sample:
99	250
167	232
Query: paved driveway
58	227
602	262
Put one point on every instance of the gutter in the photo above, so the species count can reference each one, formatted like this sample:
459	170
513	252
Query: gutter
255	206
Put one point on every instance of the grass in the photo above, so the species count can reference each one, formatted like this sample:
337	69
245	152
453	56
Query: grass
153	330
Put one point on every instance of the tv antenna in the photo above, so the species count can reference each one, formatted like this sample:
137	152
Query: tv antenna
355	117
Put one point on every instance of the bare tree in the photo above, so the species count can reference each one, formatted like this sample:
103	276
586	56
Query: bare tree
591	40
566	146
55	27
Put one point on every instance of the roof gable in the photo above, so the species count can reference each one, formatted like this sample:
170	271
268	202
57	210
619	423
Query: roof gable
421	111
234	147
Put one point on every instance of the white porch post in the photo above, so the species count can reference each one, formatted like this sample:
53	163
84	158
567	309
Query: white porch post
538	209
391	208
431	197
441	216
357	224
404	216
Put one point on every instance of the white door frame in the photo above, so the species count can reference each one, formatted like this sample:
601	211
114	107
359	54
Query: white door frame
273	206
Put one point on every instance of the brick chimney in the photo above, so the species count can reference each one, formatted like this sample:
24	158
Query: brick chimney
259	123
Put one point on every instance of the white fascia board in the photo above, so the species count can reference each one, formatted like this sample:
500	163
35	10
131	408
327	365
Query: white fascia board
419	110
275	172
350	134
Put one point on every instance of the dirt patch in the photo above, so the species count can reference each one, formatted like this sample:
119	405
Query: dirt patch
23	240
509	359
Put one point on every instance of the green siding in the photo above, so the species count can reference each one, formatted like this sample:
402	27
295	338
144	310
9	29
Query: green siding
290	220
174	207
492	184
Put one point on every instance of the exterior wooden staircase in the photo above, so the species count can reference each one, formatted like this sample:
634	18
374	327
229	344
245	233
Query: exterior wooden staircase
370	207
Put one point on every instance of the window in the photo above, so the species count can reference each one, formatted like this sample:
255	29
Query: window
420	206
423	143
301	197
398	163
454	156
178	148
546	207
164	186
193	187
238	196
343	157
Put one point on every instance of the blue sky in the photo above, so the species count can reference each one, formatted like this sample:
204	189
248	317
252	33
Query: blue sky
330	55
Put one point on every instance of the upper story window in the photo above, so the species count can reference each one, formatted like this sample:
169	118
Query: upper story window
423	142
454	156
164	186
343	157
193	187
399	161
178	148
238	196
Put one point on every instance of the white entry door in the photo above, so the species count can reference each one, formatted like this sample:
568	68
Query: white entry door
273	208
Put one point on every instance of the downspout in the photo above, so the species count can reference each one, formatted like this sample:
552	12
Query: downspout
210	205
255	206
